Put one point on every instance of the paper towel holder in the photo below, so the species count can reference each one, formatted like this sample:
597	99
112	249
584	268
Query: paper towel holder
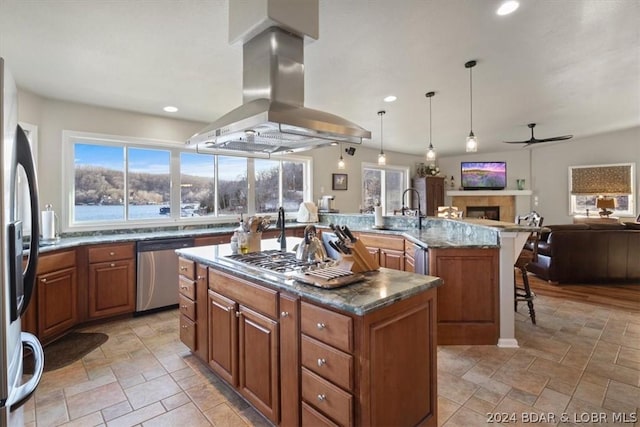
55	227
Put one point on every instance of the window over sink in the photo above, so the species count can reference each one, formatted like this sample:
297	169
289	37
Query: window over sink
383	185
123	182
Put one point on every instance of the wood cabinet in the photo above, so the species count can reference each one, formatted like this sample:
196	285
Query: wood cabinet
409	256
468	303
192	303
431	190
376	369
112	283
387	250
244	342
56	296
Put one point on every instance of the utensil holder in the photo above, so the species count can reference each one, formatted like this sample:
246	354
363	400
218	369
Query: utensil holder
255	241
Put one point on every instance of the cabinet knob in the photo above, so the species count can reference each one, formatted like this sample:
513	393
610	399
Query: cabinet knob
321	362
112	265
201	277
182	268
322	398
184	326
230	308
112	253
44	280
321	326
237	314
284	314
183	306
183	287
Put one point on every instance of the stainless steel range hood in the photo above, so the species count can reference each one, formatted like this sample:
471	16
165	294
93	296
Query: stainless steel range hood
272	118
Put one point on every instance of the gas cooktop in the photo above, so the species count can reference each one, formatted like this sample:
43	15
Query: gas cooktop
326	274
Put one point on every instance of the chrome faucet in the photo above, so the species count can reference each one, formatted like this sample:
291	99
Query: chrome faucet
419	209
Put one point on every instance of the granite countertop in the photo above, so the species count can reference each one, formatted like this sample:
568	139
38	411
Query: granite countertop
134	236
379	288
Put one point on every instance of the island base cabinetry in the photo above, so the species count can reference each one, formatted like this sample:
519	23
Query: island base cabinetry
244	340
299	362
468	303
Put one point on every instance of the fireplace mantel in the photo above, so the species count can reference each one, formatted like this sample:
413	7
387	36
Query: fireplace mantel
474	193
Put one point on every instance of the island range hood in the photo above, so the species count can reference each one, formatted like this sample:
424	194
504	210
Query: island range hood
272	118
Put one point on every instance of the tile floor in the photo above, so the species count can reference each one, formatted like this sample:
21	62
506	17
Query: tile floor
580	360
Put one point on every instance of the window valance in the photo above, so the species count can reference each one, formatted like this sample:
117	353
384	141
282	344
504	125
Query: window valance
601	180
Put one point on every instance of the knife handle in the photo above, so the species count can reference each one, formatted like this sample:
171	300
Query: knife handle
345	230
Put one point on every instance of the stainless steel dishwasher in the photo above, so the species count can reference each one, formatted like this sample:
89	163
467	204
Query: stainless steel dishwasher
158	273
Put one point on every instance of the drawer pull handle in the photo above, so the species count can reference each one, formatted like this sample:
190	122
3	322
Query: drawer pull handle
184	287
321	362
112	265
321	326
284	314
184	326
112	253
237	314
322	398
230	308
183	306
182	268
201	277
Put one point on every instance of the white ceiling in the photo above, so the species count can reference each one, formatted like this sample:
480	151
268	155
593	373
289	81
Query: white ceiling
572	66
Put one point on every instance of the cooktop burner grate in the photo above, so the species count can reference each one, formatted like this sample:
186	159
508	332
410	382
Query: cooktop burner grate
325	274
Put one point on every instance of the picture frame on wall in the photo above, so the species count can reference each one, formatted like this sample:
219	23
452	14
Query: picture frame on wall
339	181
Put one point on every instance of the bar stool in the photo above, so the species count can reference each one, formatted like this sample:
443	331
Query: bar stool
528	254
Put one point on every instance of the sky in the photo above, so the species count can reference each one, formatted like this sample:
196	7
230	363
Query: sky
157	161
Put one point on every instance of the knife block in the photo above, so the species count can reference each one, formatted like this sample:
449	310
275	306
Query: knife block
360	259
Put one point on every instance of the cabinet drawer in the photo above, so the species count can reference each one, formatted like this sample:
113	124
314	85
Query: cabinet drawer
56	261
381	241
311	417
188	307
259	298
330	400
188	332
110	252
187	288
327	326
187	268
328	362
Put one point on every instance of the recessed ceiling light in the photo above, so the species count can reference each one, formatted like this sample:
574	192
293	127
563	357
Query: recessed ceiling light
170	109
507	7
390	98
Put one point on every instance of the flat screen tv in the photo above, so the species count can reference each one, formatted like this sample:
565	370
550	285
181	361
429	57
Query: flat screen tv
483	175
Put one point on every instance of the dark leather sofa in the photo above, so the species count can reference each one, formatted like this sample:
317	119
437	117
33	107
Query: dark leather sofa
589	253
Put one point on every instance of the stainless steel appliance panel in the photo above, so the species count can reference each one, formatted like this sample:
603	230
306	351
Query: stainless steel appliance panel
157	273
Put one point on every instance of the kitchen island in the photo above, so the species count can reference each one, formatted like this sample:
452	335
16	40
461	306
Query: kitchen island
363	354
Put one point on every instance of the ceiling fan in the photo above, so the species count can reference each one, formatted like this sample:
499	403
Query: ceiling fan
534	140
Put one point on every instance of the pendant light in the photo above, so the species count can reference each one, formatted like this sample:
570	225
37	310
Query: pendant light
341	161
431	153
472	141
382	159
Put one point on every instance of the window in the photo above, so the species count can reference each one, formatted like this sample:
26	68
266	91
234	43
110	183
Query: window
588	183
384	185
125	182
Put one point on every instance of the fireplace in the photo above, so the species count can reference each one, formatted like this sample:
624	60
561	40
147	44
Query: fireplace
483	212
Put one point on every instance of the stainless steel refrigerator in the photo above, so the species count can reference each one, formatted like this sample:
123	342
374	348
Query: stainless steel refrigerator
17	284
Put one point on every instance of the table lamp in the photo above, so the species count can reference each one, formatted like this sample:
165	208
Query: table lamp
604	204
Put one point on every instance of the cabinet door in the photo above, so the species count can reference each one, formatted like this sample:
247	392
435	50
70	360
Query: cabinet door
289	360
57	302
258	357
392	258
409	263
111	288
223	337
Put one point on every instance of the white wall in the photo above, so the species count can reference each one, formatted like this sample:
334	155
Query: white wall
53	116
325	163
545	167
548	175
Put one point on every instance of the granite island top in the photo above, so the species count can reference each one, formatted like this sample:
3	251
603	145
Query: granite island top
379	288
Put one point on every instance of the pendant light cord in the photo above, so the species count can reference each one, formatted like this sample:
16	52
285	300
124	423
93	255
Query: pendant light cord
471	98
381	113
430	125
